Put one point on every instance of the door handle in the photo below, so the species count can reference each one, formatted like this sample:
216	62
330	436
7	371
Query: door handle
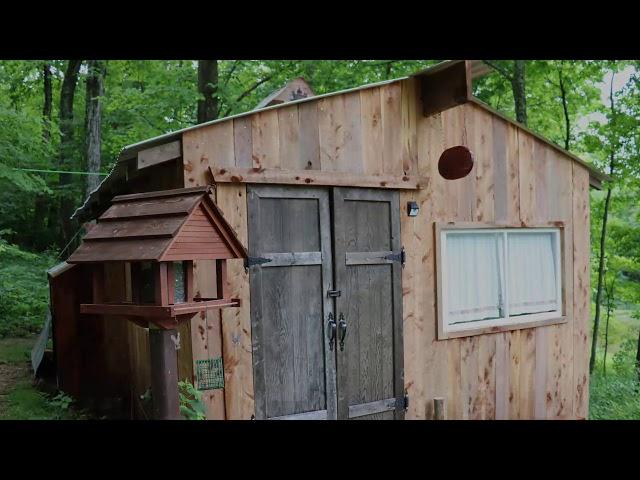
342	326
332	331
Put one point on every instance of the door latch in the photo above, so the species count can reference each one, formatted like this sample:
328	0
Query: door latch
334	293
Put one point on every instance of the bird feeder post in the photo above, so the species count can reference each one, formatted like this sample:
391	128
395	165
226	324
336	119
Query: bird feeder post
164	373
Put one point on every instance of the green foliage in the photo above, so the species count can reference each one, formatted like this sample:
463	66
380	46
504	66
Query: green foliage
191	405
24	291
614	397
25	402
61	401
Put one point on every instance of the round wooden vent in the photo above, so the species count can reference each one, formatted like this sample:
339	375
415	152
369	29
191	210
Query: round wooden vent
455	162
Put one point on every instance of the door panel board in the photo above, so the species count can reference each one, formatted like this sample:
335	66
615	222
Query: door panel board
294	371
370	368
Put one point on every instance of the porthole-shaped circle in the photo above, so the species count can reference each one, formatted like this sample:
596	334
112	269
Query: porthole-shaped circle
455	162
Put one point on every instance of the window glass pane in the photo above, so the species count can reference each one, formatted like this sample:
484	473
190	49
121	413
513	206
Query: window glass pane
178	274
473	276
533	280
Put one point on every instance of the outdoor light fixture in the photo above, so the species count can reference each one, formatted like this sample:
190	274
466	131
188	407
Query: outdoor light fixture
413	209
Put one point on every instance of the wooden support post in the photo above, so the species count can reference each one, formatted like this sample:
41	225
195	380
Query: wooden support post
171	284
160	273
221	279
164	374
189	287
439	409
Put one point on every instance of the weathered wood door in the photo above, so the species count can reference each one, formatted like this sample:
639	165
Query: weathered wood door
367	251
294	368
316	354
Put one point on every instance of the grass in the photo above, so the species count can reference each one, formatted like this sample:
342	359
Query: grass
615	394
15	350
19	398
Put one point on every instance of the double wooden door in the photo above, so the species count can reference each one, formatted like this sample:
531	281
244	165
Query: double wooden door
326	302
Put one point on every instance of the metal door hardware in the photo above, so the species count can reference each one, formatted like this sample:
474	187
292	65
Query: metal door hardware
332	331
251	261
400	256
342	326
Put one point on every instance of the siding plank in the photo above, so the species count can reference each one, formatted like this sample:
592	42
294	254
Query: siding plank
236	322
265	140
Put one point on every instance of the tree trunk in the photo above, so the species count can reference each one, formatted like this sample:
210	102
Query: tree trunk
208	89
638	357
610	301
596	320
67	147
41	205
603	236
519	91
95	91
48	102
565	109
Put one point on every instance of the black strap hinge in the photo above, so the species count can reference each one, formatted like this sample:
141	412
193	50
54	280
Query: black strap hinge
400	256
251	261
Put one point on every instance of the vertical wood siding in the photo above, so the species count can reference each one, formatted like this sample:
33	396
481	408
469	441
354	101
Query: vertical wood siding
529	373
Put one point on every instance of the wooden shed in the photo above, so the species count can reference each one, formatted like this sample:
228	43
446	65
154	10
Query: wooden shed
375	287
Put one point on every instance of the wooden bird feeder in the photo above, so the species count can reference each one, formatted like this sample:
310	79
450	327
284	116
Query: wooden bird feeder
158	235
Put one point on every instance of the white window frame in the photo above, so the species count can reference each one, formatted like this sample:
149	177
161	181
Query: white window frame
507	322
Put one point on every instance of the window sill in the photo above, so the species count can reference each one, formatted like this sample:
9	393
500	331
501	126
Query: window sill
446	335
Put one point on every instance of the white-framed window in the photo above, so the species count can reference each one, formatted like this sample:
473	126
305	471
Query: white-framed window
498	277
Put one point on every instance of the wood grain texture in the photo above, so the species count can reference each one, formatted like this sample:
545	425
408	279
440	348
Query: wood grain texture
527	373
581	291
371	121
391	108
236	322
340	133
206	342
243	142
370	365
289	138
265	137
